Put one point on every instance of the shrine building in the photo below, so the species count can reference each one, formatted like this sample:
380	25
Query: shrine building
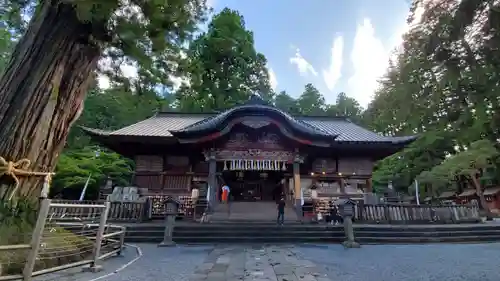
260	151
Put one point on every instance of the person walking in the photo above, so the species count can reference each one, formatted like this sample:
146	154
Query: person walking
281	211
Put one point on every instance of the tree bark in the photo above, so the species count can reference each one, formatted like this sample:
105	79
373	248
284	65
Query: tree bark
42	91
479	192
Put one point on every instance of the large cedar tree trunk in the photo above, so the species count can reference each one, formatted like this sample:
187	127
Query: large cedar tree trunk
42	91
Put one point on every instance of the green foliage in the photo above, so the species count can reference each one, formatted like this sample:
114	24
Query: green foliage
224	67
469	163
401	168
311	102
147	34
76	165
113	109
443	79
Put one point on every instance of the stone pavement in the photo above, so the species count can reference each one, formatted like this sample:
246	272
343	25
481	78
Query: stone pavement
301	262
256	263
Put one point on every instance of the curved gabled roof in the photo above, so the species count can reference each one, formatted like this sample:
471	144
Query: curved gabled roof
254	107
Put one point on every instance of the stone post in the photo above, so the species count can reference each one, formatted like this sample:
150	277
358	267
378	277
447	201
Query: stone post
347	211
171	211
349	232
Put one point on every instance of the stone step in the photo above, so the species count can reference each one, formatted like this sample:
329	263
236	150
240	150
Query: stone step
313	239
314	233
237	239
283	234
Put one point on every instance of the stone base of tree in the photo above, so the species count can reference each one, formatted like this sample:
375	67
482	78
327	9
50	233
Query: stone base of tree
351	244
167	244
93	268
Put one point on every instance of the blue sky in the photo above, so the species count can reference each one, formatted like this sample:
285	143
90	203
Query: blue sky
338	45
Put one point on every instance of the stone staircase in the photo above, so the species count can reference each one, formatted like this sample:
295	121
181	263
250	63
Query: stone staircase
250	212
293	232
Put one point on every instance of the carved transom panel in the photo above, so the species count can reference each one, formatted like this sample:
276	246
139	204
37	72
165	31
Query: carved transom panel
263	140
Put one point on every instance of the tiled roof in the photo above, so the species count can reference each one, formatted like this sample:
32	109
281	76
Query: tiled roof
348	131
161	125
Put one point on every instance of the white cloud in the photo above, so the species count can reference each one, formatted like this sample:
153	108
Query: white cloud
128	70
370	59
272	78
334	71
211	3
304	67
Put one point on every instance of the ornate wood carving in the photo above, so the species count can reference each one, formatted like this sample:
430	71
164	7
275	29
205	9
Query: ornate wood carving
254	154
153	163
247	146
358	166
264	140
320	165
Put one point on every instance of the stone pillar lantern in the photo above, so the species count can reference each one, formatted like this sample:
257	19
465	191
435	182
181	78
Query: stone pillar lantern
347	210
171	212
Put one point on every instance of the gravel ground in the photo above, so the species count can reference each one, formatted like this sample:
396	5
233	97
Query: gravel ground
436	262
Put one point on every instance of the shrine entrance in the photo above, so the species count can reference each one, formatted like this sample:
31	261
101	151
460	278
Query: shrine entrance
251	186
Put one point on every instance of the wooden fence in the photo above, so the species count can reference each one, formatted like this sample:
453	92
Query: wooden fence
390	213
416	214
140	211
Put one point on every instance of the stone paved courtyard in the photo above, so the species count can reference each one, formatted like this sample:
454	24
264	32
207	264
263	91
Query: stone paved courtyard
437	262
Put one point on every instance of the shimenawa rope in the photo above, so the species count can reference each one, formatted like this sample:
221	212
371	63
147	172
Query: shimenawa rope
19	168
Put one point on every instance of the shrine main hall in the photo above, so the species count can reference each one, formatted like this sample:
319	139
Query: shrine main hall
260	151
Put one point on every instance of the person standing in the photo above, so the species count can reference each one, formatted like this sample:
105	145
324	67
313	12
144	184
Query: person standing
281	211
225	193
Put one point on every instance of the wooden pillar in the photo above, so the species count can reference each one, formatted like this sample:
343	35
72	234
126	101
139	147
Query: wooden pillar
342	184
212	169
296	182
296	185
369	185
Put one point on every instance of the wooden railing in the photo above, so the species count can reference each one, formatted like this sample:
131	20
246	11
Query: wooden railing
118	211
153	208
415	214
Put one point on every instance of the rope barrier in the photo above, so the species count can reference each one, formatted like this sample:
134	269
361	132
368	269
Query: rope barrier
19	168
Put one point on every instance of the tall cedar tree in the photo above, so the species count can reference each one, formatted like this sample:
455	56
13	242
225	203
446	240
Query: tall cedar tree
52	67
